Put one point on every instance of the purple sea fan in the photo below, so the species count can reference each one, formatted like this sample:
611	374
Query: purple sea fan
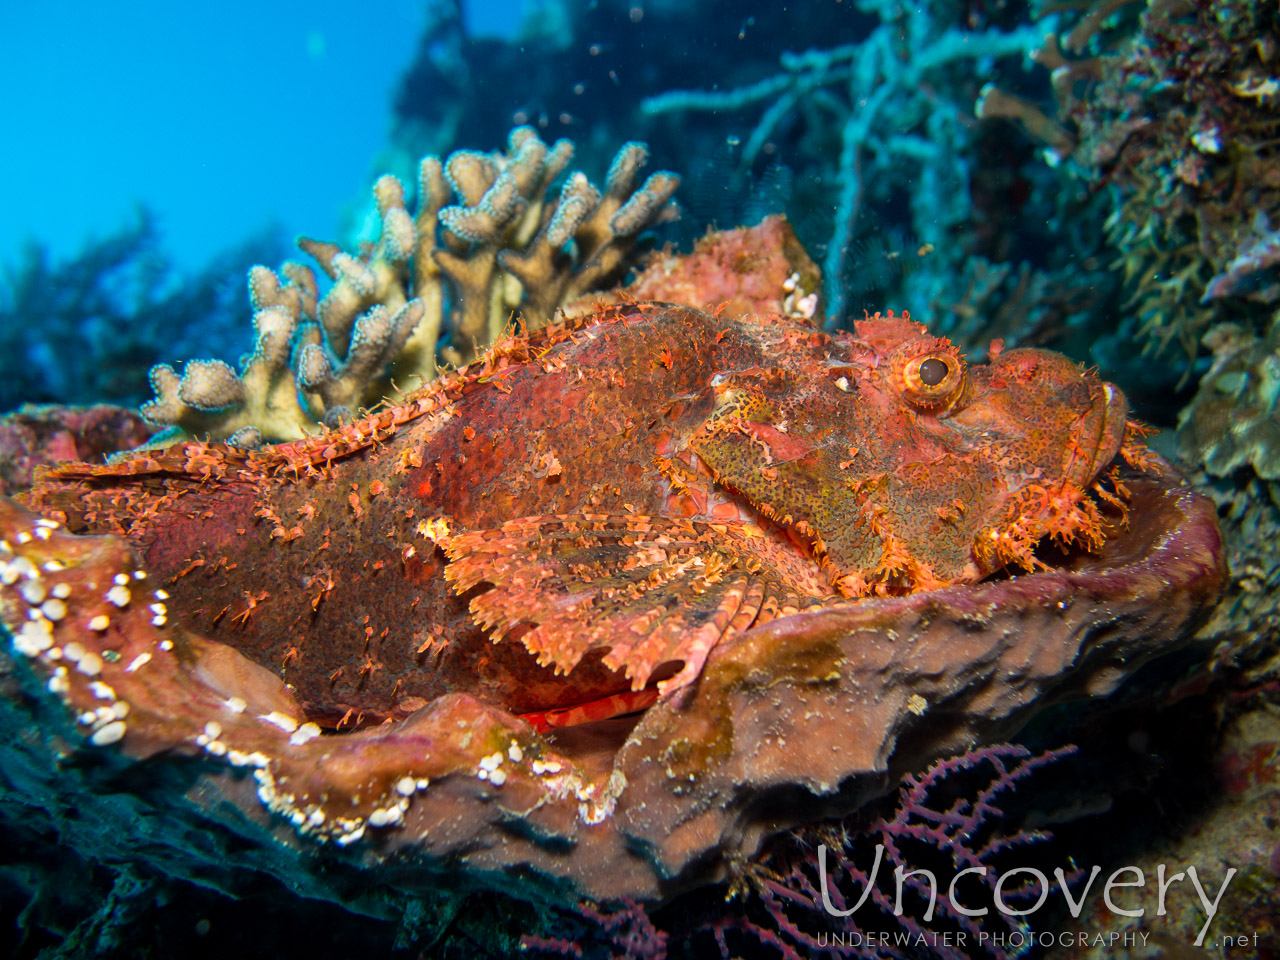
626	932
946	820
939	819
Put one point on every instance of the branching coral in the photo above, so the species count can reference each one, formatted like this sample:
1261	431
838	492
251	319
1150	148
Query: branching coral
507	246
1172	106
323	547
884	95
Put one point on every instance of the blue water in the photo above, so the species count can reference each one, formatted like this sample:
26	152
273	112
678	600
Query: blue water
223	119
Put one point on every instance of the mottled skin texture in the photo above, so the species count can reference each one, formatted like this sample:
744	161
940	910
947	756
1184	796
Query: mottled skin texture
612	496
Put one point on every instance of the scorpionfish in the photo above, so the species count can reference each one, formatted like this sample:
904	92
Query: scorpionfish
581	515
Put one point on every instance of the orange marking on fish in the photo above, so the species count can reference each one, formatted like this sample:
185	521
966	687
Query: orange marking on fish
617	705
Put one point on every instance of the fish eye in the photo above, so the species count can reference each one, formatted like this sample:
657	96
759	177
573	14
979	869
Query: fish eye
931	375
933	371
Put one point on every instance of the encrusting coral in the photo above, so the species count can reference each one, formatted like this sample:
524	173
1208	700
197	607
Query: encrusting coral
1233	421
507	246
1229	438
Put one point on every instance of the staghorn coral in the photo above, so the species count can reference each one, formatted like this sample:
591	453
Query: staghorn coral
506	246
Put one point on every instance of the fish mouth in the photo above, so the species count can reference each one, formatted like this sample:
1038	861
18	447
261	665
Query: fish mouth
1095	438
1063	512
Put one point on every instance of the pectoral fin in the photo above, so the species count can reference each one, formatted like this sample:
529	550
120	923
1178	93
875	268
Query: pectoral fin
650	591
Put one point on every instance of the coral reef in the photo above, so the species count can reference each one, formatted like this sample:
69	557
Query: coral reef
505	249
937	210
1232	421
480	768
219	678
1229	435
1176	112
593	63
